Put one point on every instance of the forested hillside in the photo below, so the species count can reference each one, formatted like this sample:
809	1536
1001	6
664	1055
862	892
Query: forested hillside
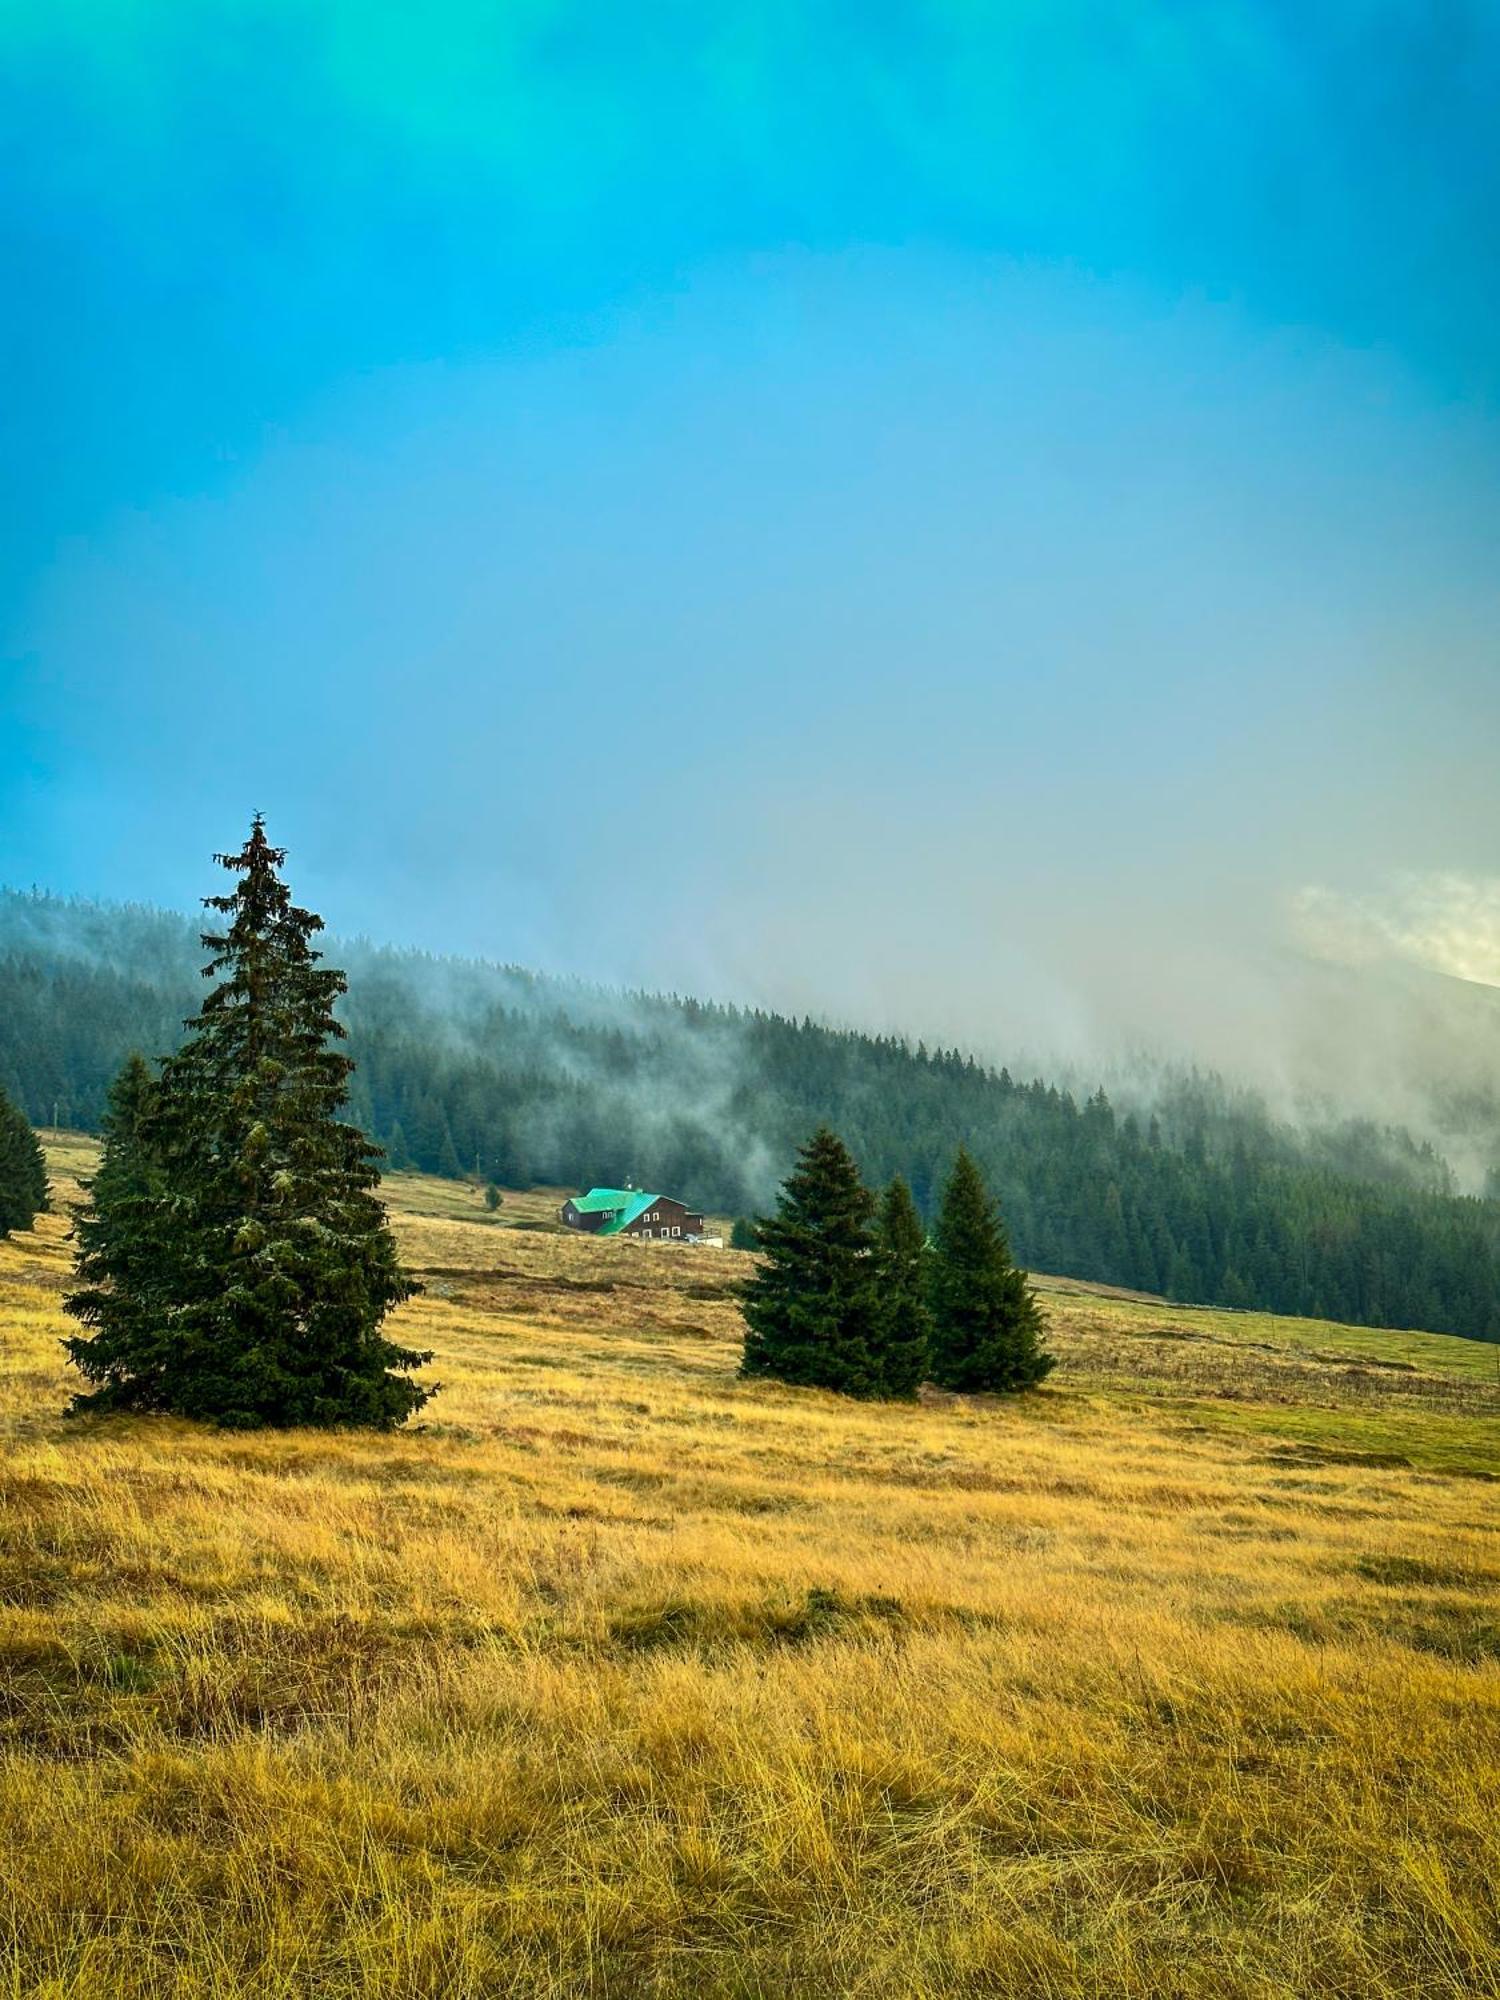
489	1070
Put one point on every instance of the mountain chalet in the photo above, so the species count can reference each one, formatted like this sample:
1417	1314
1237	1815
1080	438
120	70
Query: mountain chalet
632	1212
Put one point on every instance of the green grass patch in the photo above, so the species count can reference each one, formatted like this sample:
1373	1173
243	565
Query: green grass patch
1436	1353
1414	1440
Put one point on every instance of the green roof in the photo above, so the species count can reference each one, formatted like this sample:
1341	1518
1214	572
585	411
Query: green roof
621	1205
601	1199
637	1204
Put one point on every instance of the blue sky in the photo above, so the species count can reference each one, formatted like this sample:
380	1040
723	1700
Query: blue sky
1005	496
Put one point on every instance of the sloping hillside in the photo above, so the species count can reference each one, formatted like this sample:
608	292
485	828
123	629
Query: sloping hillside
619	1676
1198	1193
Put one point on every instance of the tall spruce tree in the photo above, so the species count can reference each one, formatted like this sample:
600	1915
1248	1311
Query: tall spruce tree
902	1256
812	1309
23	1171
275	1262
986	1324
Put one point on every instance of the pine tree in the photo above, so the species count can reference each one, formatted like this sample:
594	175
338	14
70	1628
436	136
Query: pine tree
812	1309
987	1325
276	1262
123	1262
449	1165
906	1319
23	1171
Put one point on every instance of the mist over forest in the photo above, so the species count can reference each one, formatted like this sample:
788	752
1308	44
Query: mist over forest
1148	1173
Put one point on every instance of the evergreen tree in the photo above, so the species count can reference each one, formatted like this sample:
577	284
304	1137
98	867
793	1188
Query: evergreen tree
122	1229
987	1325
812	1309
906	1319
276	1264
23	1171
450	1166
742	1234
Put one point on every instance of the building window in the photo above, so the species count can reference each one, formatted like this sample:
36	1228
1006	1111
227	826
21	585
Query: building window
675	1230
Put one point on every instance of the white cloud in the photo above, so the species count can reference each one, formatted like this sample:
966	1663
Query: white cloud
1444	922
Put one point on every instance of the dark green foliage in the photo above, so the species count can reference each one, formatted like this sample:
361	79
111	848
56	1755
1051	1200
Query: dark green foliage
122	1230
492	1197
986	1324
742	1234
906	1321
271	1265
23	1172
812	1309
547	1082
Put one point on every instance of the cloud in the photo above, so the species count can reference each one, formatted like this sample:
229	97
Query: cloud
1444	922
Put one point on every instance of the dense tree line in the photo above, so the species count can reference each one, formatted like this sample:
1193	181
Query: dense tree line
851	1295
513	1077
234	1261
23	1172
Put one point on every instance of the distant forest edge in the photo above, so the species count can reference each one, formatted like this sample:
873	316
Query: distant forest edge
467	1068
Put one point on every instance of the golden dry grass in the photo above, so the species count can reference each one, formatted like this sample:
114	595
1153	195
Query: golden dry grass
619	1677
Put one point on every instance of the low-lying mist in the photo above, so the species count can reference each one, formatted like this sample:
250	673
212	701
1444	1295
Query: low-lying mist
1172	1181
1359	1016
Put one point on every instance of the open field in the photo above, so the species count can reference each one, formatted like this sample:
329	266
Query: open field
615	1676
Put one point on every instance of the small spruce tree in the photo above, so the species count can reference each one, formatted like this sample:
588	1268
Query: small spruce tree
902	1257
812	1308
23	1171
986	1324
277	1265
123	1232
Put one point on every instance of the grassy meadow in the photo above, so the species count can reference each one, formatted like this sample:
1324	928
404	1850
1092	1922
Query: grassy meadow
614	1676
